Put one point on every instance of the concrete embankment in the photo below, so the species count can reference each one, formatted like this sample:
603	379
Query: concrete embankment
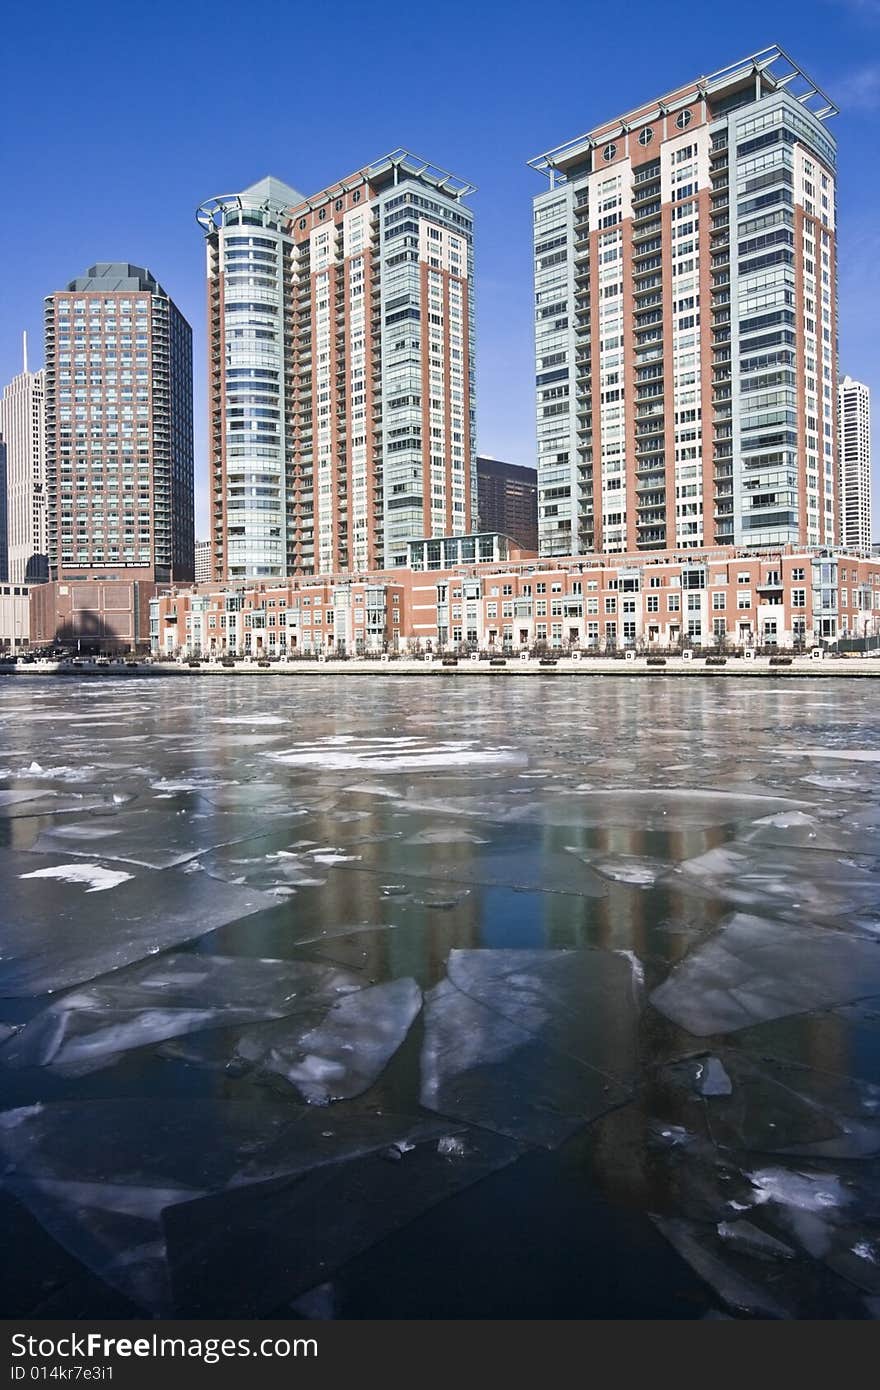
736	666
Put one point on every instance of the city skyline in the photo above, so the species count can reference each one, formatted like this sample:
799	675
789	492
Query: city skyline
489	141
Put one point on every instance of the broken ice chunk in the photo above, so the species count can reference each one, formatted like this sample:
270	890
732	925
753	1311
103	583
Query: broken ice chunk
754	969
695	1245
154	1001
530	1043
351	1047
712	1079
748	1238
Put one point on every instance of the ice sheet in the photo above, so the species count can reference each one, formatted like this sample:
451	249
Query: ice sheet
104	1201
531	1044
247	1252
49	940
141	836
755	968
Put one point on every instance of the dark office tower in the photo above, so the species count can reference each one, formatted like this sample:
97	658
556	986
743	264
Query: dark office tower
508	500
119	443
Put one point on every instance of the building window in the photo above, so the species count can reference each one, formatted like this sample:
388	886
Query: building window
683	119
646	135
609	152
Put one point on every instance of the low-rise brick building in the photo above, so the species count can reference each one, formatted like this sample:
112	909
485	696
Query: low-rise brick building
785	598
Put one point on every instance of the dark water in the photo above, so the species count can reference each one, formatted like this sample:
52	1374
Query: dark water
328	997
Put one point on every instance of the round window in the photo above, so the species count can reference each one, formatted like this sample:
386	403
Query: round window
302	224
646	135
356	196
338	204
683	119
609	152
322	214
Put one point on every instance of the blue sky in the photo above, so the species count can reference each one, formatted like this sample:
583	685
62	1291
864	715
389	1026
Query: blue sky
118	120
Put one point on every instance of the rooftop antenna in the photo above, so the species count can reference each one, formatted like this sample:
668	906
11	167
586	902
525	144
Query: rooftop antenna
24	348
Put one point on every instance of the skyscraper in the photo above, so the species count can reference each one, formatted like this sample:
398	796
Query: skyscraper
203	562
686	333
119	444
854	401
508	499
341	370
4	518
22	429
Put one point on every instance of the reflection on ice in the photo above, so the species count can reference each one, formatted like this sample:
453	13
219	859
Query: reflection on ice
531	1044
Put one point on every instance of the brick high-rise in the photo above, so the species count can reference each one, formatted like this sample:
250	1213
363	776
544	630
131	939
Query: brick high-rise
686	329
341	369
119	443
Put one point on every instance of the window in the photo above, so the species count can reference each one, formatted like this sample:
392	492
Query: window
653	603
719	601
673	603
609	152
610	605
799	598
744	599
683	119
646	135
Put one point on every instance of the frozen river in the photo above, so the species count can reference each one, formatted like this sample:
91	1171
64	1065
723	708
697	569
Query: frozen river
371	999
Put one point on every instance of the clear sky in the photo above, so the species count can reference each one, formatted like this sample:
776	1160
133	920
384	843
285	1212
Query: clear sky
117	120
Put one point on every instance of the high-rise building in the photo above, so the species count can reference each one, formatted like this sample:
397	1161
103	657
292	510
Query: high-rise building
341	370
203	561
119	442
22	429
4	518
686	328
508	500
854	400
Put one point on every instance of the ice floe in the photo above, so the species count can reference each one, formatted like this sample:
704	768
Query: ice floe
50	942
533	1044
754	968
